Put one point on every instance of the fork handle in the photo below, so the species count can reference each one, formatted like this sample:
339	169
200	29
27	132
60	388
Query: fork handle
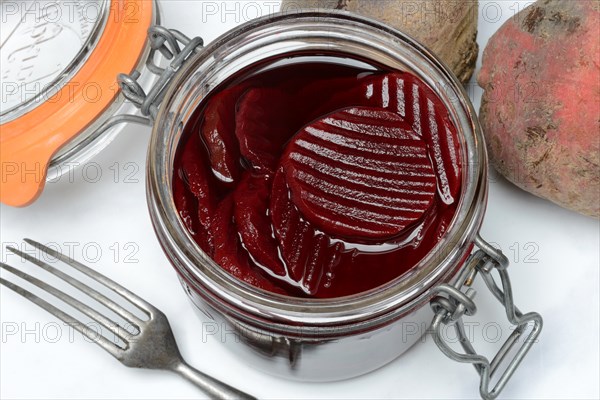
211	386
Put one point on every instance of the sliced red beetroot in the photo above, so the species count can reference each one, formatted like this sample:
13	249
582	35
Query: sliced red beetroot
323	96
360	174
387	91
218	132
186	205
319	76
198	179
348	92
254	225
310	256
415	102
228	252
442	141
321	263
422	108
263	122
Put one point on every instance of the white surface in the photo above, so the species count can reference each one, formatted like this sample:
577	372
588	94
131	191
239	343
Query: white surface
563	284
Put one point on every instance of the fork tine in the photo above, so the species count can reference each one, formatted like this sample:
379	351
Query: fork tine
143	305
106	344
78	305
99	297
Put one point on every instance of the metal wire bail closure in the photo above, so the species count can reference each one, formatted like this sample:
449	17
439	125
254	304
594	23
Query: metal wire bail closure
166	41
452	303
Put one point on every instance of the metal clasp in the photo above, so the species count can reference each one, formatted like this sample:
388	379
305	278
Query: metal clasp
454	301
167	42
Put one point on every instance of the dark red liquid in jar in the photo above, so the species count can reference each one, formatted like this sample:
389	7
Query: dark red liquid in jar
318	179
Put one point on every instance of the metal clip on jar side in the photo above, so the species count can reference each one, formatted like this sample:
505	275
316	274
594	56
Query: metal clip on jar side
168	43
452	302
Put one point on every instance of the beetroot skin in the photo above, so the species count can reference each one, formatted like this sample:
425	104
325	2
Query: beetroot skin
541	108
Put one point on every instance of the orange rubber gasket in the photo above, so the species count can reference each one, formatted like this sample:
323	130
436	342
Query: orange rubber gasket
28	143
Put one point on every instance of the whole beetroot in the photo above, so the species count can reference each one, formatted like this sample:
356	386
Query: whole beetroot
541	108
447	27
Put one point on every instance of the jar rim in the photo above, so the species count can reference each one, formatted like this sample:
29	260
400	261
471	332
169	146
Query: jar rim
402	294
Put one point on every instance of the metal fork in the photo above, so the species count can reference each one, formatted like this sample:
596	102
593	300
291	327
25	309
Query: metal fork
153	346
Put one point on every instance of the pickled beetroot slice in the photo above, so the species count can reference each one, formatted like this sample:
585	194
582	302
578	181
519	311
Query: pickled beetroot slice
415	102
254	225
442	139
187	209
199	182
218	132
310	256
322	96
360	174
263	121
228	252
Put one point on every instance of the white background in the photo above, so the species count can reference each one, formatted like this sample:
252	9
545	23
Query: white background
554	272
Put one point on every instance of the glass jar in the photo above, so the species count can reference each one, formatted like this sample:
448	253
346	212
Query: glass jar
316	339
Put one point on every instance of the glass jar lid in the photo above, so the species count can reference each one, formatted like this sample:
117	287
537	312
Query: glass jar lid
43	45
59	63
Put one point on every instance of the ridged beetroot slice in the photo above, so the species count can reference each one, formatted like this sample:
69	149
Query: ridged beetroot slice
310	256
263	122
229	253
319	270
347	92
254	225
442	140
198	179
413	100
218	132
360	174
